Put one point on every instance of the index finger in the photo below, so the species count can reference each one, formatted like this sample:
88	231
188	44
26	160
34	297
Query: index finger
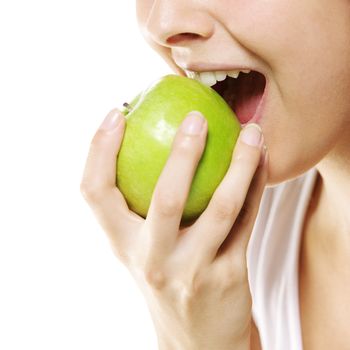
98	184
173	186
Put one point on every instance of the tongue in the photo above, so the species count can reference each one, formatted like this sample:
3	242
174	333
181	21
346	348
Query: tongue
248	95
246	106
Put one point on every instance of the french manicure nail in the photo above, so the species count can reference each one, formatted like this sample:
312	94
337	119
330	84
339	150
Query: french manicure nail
193	123
251	134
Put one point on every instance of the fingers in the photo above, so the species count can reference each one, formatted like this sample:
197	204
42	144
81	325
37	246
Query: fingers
98	182
231	258
213	226
237	241
171	192
102	154
244	223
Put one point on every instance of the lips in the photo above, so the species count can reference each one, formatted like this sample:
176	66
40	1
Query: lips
244	95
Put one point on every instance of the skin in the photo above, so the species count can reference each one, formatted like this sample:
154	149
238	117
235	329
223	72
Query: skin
303	50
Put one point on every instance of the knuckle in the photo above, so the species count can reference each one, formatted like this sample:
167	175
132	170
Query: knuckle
167	203
187	146
232	276
195	286
227	284
122	254
185	299
99	142
155	278
189	293
247	156
91	192
224	206
96	145
98	138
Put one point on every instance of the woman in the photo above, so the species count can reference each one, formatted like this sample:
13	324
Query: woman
286	193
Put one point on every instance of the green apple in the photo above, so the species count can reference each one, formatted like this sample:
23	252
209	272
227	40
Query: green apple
152	120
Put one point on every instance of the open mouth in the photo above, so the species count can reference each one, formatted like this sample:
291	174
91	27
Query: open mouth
243	94
243	90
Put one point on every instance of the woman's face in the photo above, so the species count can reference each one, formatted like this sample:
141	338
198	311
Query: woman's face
301	47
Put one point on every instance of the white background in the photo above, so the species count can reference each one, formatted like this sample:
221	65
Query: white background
64	65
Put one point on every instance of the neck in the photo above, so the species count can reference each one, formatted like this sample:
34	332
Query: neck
335	185
331	203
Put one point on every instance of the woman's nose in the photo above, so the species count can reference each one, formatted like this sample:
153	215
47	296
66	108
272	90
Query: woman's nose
178	22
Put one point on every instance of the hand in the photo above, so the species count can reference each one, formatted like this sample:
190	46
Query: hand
194	278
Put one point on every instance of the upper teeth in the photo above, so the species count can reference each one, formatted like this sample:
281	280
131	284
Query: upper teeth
210	78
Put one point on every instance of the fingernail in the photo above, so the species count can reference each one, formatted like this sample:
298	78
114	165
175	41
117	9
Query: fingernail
251	135
111	121
193	123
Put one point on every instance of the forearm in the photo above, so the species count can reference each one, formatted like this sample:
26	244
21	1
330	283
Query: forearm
175	344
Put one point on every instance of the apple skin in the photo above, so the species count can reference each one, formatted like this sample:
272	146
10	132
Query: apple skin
152	120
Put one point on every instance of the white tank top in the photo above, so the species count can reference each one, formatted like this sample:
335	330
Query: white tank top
273	262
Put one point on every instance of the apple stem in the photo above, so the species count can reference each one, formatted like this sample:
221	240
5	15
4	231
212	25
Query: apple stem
127	106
